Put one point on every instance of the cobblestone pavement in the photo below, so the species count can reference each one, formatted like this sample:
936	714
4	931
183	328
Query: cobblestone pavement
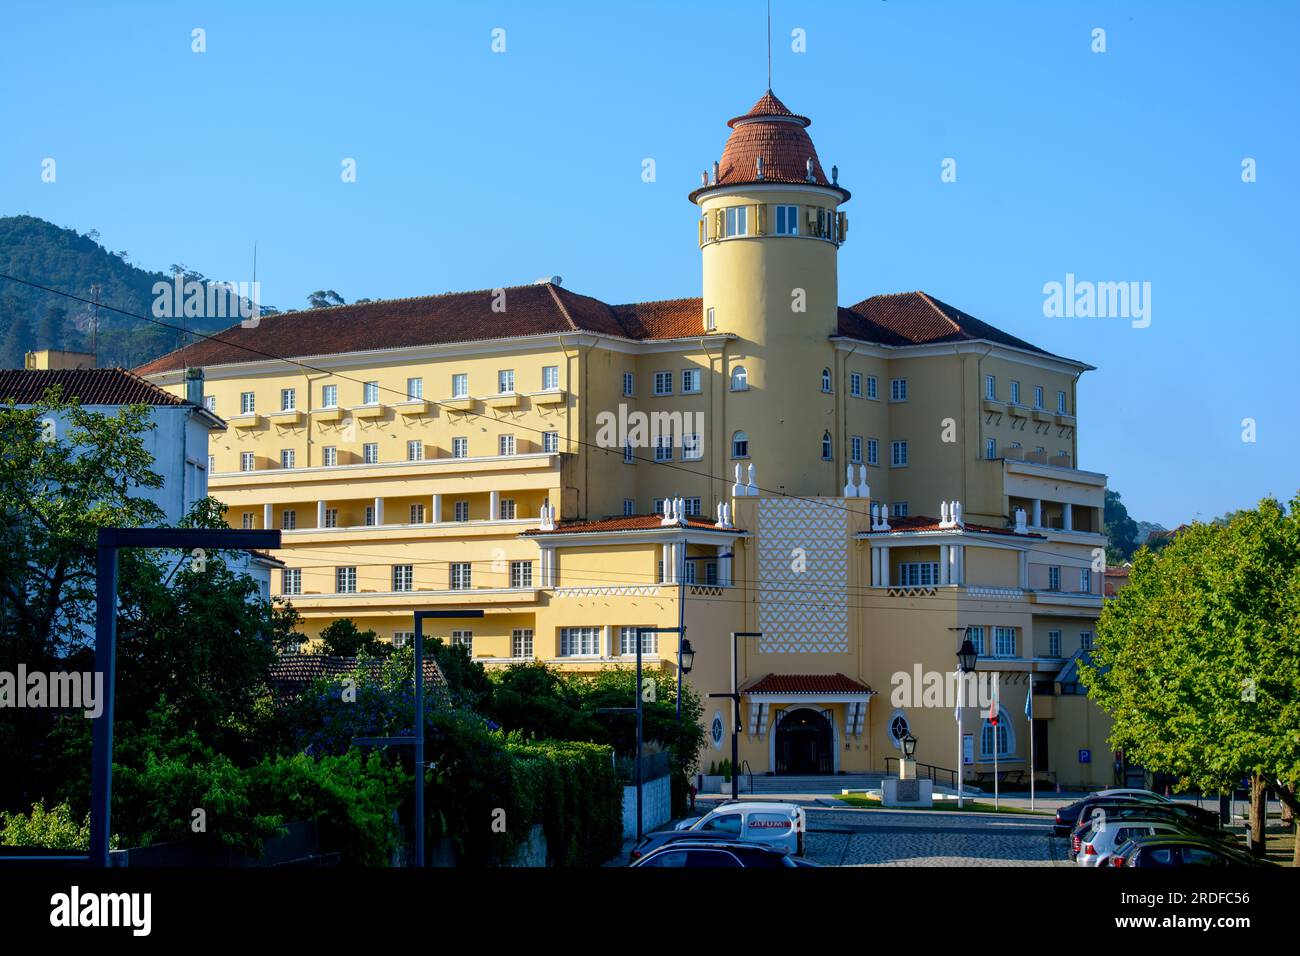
887	838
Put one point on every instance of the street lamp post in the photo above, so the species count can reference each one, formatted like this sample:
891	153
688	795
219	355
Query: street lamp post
966	657
735	714
683	645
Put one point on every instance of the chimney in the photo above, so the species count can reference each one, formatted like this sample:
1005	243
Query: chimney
194	385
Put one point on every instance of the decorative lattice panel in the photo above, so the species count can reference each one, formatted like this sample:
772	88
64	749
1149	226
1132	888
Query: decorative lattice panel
803	576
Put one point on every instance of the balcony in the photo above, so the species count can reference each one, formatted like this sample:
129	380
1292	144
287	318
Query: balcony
1043	415
368	411
413	408
504	400
554	396
1064	420
327	414
252	420
285	418
1018	411
995	406
462	403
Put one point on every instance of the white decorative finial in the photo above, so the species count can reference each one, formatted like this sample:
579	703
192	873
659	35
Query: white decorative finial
956	515
850	489
751	488
864	490
1021	527
737	490
547	517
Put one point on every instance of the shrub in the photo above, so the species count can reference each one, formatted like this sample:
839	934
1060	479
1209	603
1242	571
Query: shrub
54	828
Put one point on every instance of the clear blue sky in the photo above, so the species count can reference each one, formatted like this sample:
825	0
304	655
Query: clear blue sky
477	170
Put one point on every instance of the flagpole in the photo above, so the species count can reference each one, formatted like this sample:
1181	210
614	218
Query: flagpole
1029	711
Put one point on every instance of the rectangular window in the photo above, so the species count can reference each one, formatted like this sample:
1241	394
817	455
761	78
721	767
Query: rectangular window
331	517
918	574
250	520
460	385
900	509
288	399
460	575
329	396
370	453
505	444
292	581
664	448
370	516
737	221
692	508
370	393
246	403
1085	640
990	448
286	457
403	638
210	402
629	506
463	639
417	514
246	461
1015	393
505	381
415	450
872	387
690	381
345	580
658	505
289	520
898	454
855	384
1038	396
579	641
629	383
787	220
627	641
521	642
460	448
1053	643
1085	580
692	450
1060	403
1053	578
1004	642
403	577
898	390
550	377
628	457
506	509
414	388
855	449
990	386
873	451
663	383
550	442
710	320
461	510
521	574
212	464
329	455
976	635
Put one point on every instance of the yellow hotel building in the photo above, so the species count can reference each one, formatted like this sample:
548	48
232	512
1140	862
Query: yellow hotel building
860	484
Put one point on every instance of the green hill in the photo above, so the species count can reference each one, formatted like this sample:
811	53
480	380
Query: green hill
39	251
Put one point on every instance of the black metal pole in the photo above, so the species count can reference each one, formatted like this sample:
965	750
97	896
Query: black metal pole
640	827
101	767
419	740
735	719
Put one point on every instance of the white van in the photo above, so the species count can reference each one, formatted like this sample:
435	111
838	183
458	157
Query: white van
780	825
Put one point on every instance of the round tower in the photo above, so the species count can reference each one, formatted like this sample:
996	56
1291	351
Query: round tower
769	231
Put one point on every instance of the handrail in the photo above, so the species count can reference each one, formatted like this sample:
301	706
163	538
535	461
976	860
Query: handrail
929	770
749	772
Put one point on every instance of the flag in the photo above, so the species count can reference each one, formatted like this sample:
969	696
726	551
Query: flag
1029	704
956	713
993	711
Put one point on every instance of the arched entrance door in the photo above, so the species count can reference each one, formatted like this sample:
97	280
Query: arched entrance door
803	743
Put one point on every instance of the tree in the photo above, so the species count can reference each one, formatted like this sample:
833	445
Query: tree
53	330
342	638
17	340
1120	529
1198	658
324	298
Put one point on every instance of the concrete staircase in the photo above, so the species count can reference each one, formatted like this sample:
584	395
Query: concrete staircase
829	784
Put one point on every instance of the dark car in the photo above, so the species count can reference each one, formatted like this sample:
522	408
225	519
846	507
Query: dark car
1068	816
1133	812
1169	851
695	853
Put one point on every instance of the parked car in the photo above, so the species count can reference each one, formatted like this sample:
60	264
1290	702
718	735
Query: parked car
1067	817
1169	813
781	825
717	853
1174	850
1099	842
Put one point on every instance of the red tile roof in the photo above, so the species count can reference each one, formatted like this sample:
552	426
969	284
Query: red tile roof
90	386
627	523
916	318
294	673
807	684
914	523
909	318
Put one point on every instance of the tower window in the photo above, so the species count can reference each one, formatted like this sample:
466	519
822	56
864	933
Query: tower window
827	447
826	380
739	445
710	320
739	379
737	221
787	220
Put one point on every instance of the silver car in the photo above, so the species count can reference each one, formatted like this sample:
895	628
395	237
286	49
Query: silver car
1103	838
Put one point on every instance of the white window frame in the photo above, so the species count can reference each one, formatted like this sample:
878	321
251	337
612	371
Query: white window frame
689	376
247	461
505	381
415	449
785	220
291	581
629	507
692	447
738	439
550	442
370	453
629	384
370	393
828	382
550	378
991	387
739	379
329	455
736	222
855	449
331	517
873	388
460	385
580	641
873	451
460	448
976	634
288	399
505	445
345	580
898	389
461	575
1015	393
663	383
710	319
855	384
918	574
627	641
403	577
417	513
247	403
506	509
1085	580
521	574
1004	641
1054	643
898	453
1061	404
1038	396
990	449
460	511
521	643
329	396
1054	577
828	447
414	389
287	457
